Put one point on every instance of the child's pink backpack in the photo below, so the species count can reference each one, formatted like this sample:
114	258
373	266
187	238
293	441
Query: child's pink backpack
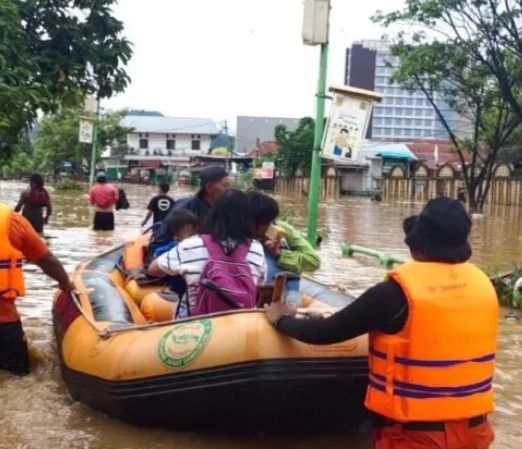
230	273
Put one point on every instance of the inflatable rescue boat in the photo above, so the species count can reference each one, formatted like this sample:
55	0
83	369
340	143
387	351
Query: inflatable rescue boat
121	353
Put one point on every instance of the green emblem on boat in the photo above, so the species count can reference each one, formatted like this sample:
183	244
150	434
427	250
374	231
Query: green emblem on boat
184	343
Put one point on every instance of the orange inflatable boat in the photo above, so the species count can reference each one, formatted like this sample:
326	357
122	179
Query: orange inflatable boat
121	353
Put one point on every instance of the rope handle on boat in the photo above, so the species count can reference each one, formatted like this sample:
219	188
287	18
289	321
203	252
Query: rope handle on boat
103	333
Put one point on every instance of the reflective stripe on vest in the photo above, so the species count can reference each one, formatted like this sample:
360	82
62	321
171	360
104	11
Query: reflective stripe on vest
440	365
11	274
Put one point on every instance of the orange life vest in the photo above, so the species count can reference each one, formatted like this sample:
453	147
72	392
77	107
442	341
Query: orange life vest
440	365
11	274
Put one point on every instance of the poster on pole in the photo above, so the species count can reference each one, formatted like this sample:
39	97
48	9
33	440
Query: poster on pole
86	130
348	121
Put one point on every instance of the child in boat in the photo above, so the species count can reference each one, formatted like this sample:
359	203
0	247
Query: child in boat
227	241
181	224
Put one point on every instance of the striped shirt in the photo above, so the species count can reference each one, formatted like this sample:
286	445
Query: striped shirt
191	255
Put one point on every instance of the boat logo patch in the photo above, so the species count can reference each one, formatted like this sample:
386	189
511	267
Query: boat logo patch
184	343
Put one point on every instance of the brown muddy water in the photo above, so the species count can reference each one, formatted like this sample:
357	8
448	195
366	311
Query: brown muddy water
36	411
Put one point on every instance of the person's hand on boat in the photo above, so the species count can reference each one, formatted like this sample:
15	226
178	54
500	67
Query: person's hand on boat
277	310
273	247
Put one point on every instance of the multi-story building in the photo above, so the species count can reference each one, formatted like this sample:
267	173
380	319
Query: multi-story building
402	115
169	136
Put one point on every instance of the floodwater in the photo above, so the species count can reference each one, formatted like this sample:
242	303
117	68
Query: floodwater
36	411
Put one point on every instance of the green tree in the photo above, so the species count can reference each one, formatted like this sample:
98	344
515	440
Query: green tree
488	31
50	50
57	142
294	148
449	74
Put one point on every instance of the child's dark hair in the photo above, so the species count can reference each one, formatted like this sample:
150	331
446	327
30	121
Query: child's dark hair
164	186
179	218
264	208
230	217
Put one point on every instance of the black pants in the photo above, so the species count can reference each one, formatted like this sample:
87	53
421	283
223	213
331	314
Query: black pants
13	348
103	221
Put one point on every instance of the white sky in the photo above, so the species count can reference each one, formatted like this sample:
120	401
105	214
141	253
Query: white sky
224	58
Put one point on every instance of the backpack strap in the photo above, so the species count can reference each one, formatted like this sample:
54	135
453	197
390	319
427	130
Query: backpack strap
215	250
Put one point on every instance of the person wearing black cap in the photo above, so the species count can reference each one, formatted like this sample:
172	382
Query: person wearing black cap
432	332
214	181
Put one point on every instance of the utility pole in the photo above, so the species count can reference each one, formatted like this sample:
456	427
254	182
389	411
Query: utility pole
94	143
225	126
315	31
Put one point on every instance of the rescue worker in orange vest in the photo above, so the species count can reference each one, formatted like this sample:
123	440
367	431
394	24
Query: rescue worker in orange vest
18	240
432	333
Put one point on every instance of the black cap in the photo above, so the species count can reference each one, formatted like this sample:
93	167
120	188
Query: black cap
440	232
212	173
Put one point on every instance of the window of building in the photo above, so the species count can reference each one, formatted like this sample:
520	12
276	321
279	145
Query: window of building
171	143
379	80
377	131
378	110
417	122
418	112
428	122
399	111
377	121
419	101
196	142
399	101
387	131
144	143
387	120
407	122
397	121
408	101
417	132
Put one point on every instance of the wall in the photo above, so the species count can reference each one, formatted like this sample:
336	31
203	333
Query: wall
159	141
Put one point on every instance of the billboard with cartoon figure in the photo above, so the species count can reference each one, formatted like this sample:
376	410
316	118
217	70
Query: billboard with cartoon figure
348	121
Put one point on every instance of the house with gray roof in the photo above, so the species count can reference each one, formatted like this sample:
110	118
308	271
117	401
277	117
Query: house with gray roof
169	136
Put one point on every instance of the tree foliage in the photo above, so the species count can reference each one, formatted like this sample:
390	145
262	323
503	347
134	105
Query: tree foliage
57	143
50	50
453	69
294	148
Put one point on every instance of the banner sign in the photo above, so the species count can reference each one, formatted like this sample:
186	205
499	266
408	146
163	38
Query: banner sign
348	122
266	171
86	130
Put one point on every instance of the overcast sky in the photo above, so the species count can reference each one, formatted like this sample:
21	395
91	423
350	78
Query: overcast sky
224	58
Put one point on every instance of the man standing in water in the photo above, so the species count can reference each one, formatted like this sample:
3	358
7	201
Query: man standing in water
103	197
17	240
160	205
432	332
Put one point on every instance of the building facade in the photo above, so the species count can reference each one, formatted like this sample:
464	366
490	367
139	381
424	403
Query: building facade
252	132
169	136
402	115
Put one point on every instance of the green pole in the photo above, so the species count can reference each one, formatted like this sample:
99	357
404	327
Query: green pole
315	174
94	143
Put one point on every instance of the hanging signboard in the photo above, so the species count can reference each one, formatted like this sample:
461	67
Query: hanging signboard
348	121
86	130
266	171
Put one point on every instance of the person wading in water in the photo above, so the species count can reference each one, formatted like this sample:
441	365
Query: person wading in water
33	201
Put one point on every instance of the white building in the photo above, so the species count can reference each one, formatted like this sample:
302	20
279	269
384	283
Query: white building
402	115
168	136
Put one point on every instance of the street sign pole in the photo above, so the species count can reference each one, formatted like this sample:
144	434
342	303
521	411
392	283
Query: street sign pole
315	174
94	144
